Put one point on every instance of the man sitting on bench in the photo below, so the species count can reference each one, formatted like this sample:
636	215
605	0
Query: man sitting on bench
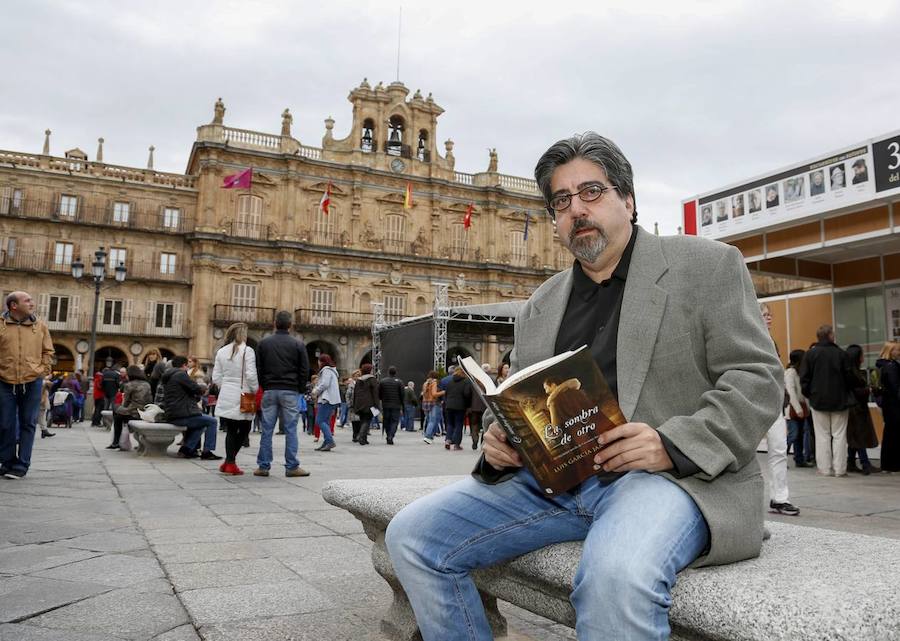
181	398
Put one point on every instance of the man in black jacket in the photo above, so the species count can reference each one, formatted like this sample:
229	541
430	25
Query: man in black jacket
826	379
283	367
390	393
181	398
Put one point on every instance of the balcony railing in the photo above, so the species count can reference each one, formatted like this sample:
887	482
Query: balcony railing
136	218
253	231
254	316
305	317
121	324
326	238
31	261
74	166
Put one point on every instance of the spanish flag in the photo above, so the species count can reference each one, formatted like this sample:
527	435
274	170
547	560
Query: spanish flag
407	199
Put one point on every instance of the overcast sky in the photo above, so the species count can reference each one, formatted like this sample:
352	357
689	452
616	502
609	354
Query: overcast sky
698	94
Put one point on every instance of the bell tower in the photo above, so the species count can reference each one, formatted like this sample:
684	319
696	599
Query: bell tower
390	131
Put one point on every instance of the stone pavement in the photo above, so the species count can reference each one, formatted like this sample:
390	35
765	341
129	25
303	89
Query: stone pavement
100	545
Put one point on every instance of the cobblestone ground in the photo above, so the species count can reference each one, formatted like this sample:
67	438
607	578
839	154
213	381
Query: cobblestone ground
98	544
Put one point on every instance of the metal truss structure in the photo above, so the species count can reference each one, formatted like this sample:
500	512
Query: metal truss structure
377	325
441	318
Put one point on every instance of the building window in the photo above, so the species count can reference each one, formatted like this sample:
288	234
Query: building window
10	200
167	263
517	248
323	226
323	306
394	307
120	212
458	238
58	310
10	247
116	255
62	255
243	301
68	205
112	312
165	315
249	217
171	217
395	234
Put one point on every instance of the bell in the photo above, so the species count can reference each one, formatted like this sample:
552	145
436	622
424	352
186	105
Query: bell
367	135
395	135
421	144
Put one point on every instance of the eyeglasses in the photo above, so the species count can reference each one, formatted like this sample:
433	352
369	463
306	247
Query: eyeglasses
589	194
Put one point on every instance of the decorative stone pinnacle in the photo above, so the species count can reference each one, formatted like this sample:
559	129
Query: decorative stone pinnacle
100	149
47	142
150	159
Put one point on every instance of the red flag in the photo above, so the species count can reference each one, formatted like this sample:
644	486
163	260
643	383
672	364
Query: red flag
467	221
241	180
326	200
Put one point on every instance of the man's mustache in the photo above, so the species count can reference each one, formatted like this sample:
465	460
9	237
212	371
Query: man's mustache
584	223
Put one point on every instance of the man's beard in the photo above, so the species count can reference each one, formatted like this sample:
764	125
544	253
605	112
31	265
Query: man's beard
587	249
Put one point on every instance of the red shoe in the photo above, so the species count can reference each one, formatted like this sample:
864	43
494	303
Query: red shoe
222	467
231	469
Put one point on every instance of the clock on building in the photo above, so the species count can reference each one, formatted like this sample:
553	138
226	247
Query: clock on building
397	165
82	346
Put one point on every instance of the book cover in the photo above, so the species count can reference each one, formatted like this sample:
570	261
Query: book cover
552	413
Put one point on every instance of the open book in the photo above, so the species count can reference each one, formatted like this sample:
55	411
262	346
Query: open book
552	412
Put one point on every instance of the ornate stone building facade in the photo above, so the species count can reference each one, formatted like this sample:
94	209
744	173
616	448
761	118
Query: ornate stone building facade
200	257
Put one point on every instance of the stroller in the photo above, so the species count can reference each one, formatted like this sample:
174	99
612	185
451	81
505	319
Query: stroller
62	405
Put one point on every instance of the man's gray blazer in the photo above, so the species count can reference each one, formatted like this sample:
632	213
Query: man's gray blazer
693	360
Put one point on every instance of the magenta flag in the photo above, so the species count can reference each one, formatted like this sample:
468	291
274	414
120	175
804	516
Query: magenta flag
238	181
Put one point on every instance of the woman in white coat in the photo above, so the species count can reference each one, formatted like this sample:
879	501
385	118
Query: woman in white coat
234	373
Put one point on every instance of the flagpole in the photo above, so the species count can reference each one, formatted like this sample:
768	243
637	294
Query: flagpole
399	28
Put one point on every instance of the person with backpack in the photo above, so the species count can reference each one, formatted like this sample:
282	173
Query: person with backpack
889	378
390	393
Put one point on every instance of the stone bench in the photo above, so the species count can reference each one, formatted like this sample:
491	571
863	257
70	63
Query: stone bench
154	439
808	583
106	417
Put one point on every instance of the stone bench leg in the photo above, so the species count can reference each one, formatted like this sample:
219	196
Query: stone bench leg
399	622
155	445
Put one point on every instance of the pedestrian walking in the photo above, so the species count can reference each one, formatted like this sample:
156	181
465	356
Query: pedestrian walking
431	406
99	399
889	381
410	406
390	393
328	398
44	410
476	411
283	367
234	374
110	380
798	417
365	399
27	353
457	399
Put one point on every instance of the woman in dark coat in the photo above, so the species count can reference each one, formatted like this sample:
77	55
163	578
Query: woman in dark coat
365	397
890	406
860	430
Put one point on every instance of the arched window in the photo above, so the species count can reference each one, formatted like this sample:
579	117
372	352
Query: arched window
422	149
248	222
396	127
365	303
367	141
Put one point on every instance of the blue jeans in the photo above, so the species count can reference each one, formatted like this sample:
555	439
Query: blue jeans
455	420
342	417
409	418
196	426
638	532
433	421
19	406
324	412
391	420
279	404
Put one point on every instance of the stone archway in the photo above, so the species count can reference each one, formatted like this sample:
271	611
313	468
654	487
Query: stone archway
453	352
118	356
63	359
365	358
320	346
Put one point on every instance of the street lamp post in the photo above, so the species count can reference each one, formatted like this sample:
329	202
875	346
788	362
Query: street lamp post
98	275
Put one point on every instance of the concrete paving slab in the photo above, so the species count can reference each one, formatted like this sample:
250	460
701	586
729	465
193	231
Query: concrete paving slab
181	633
200	552
300	528
258	506
153	522
327	556
24	559
212	606
260	518
26	632
337	625
122	613
107	542
340	522
193	576
114	570
22	597
194	535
